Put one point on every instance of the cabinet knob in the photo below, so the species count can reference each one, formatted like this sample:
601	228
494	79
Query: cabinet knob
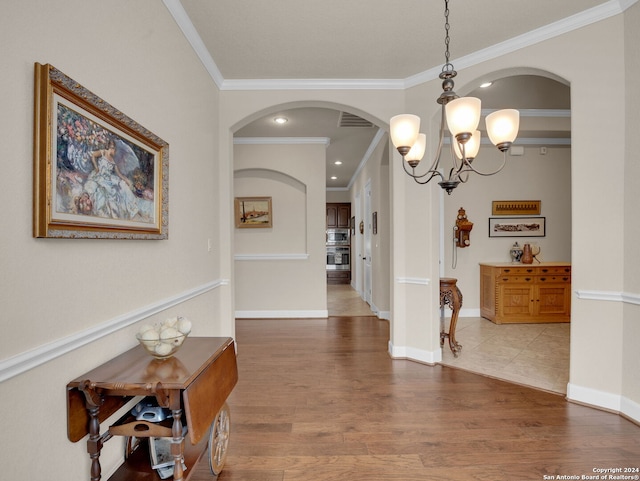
543	278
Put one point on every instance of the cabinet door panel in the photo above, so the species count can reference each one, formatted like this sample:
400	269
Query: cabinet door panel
553	300
344	216
516	301
332	216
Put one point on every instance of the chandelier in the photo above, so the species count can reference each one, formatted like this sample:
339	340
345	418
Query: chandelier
461	115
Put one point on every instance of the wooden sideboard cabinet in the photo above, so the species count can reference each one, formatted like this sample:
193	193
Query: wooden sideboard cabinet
193	384
525	293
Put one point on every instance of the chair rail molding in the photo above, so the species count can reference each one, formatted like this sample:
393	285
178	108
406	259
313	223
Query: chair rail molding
615	296
33	358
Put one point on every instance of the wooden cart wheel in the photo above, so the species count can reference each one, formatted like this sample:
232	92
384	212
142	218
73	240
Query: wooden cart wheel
218	440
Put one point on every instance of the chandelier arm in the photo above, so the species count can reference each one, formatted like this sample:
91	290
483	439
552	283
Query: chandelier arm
422	182
416	176
470	168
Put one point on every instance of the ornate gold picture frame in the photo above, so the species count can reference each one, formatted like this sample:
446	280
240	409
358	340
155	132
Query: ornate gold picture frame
97	173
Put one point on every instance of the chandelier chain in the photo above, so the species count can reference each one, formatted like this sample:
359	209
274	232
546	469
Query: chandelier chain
447	65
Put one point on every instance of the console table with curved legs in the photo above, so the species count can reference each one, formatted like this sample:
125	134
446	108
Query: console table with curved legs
451	296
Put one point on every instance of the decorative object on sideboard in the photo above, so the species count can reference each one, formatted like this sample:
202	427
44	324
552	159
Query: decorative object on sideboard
516	253
163	340
461	115
527	256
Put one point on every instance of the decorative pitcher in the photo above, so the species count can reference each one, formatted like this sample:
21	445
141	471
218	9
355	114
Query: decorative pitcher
527	255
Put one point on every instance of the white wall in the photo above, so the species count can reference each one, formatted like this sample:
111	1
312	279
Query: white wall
68	295
281	271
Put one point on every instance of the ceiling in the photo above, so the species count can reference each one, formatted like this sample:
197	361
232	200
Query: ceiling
253	44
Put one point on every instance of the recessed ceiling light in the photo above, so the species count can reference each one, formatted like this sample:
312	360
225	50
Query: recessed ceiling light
485	85
338	162
281	120
333	177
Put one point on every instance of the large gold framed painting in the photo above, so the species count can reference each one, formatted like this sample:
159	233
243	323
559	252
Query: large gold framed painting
97	173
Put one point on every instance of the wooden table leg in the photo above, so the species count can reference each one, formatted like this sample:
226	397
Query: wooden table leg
450	295
177	444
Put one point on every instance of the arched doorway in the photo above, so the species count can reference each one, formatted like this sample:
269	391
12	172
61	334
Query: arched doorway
342	135
538	168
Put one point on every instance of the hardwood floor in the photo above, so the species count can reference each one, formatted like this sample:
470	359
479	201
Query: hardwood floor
321	400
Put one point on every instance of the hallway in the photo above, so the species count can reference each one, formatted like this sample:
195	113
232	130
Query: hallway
321	400
343	300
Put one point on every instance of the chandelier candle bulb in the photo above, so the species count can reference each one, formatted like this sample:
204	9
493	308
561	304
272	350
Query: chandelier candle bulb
471	148
416	153
404	131
502	127
463	116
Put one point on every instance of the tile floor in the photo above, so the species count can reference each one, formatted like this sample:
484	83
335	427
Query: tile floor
532	354
535	355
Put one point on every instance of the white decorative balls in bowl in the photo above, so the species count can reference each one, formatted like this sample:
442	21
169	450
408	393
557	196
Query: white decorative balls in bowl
163	340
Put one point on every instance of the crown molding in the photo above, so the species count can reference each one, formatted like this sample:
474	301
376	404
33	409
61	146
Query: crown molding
180	16
588	17
313	84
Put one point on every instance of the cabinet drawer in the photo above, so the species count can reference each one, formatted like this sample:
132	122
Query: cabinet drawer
555	270
511	279
518	270
553	278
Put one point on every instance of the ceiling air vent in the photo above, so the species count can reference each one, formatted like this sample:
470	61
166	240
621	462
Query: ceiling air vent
350	120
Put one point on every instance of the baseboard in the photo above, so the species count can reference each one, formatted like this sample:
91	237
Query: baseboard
306	314
604	400
471	312
413	354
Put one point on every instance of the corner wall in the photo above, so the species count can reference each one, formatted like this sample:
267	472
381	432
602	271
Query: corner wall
70	305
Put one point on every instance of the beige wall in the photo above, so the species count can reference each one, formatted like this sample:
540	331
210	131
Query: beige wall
631	313
376	172
600	366
67	304
529	177
87	296
280	271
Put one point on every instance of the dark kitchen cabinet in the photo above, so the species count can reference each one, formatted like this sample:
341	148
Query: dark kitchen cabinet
338	215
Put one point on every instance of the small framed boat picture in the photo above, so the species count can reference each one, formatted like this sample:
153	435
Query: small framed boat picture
253	212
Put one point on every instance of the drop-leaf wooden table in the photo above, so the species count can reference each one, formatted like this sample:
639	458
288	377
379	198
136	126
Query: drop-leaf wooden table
194	384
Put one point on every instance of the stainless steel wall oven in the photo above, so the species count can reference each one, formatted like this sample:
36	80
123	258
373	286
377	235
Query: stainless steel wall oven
338	258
